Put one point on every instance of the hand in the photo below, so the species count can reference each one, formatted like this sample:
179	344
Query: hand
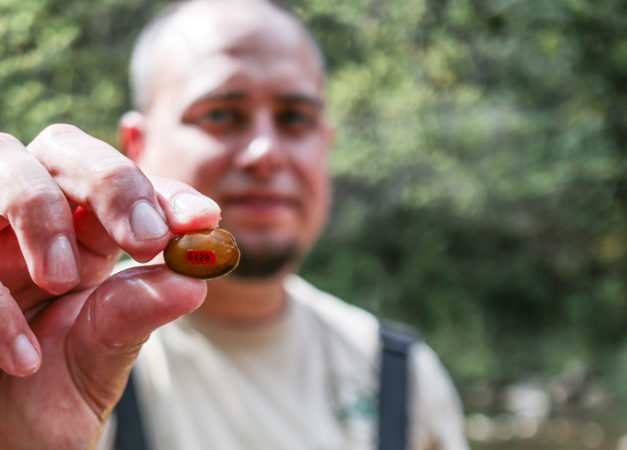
69	205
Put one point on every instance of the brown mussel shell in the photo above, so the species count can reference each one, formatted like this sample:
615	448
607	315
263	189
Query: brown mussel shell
202	254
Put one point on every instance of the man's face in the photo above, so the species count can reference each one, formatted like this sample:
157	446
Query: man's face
236	112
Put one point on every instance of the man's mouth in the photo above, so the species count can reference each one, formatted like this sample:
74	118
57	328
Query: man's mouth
261	201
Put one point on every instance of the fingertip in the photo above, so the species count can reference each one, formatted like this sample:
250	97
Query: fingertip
188	204
61	266
144	233
190	292
20	353
142	256
197	290
185	208
25	356
192	211
146	222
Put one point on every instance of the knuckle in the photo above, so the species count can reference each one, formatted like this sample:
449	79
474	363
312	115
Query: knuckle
118	175
24	181
39	196
57	130
9	141
51	134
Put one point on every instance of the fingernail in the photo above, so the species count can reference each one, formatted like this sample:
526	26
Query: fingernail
187	204
60	264
146	222
25	356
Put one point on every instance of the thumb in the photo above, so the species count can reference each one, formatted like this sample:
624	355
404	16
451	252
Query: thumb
115	321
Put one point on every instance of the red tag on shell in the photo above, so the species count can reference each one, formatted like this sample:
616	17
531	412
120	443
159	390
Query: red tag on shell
200	256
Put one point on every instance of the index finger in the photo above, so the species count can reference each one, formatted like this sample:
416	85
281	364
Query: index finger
97	177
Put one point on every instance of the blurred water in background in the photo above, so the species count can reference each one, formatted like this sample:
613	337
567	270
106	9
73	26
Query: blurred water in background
533	418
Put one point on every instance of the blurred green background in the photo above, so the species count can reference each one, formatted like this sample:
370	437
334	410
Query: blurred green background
480	182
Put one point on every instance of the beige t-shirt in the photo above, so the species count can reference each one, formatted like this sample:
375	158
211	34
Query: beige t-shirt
308	380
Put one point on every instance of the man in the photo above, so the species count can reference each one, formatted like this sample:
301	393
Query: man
229	100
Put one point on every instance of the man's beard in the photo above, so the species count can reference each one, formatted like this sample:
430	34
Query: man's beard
267	263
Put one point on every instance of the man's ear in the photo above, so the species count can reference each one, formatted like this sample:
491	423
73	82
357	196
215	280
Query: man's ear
329	133
131	130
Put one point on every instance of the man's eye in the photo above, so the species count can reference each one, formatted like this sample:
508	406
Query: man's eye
295	122
221	120
220	115
293	118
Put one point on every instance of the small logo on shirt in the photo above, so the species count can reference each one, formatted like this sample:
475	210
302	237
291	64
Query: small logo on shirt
351	400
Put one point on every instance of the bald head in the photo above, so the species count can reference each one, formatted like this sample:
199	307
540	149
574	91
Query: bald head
193	28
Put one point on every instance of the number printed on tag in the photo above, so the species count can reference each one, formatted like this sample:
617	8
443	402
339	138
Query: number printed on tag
200	256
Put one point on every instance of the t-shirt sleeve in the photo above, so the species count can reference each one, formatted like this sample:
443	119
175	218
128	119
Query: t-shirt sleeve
435	409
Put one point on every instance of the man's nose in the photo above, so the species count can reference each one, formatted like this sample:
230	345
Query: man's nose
263	153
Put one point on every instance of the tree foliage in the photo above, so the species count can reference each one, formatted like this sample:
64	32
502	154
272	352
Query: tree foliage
479	166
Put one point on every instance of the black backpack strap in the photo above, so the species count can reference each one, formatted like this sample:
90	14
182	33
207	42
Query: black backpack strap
129	431
393	387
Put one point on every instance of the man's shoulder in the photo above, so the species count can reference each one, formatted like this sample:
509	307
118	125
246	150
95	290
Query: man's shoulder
352	322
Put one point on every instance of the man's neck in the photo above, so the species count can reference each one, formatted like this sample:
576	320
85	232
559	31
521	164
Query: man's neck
243	302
